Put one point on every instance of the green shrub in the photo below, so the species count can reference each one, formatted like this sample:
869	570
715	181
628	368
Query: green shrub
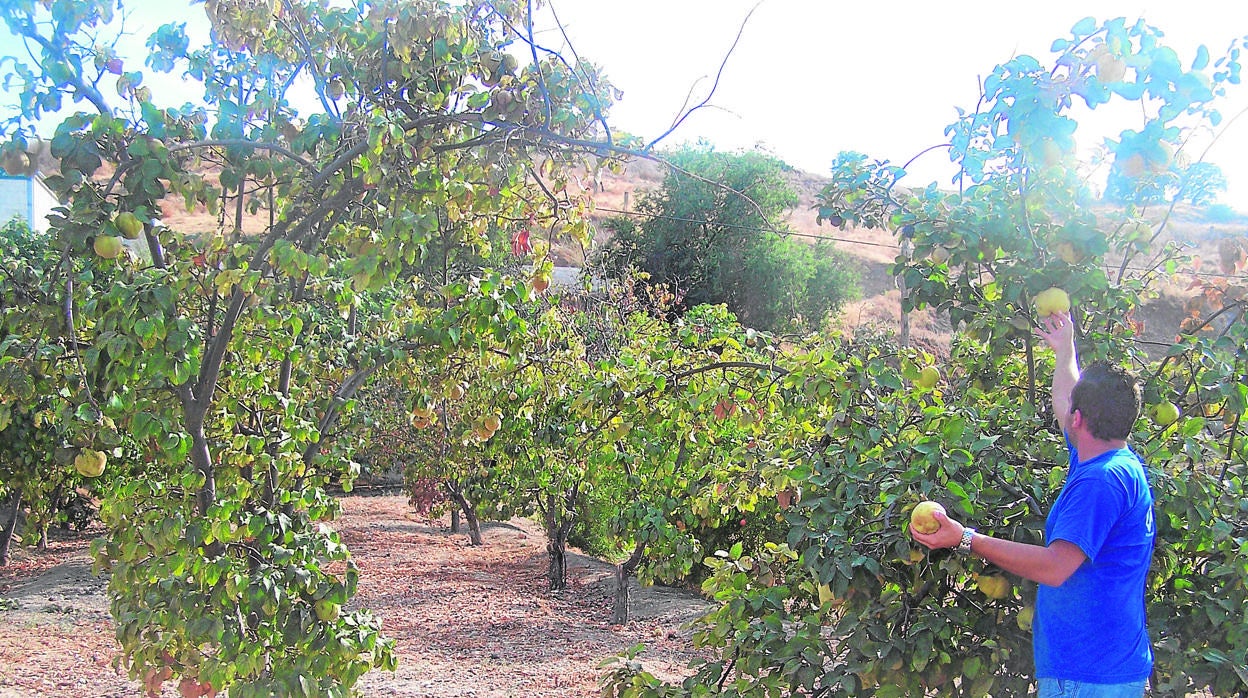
715	233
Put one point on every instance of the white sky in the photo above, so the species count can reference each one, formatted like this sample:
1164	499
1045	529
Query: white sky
811	78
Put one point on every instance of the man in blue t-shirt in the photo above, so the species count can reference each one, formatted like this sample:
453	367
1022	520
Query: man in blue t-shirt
1089	632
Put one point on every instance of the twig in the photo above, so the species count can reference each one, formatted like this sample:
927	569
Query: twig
680	119
73	333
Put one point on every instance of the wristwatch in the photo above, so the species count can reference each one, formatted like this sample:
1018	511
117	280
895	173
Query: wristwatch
968	534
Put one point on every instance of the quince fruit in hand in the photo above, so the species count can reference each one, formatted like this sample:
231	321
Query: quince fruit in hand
1050	301
921	518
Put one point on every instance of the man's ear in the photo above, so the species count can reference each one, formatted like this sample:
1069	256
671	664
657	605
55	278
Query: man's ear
1076	420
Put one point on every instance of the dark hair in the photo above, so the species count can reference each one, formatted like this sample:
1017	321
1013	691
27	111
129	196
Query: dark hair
1109	399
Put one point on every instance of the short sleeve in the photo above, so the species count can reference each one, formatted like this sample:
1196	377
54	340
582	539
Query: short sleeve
1090	508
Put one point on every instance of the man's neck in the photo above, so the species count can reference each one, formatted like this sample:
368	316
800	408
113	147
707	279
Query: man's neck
1090	447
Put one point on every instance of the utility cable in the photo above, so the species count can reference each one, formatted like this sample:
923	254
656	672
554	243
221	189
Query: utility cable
833	238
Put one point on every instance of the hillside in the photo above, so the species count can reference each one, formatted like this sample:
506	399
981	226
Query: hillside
879	308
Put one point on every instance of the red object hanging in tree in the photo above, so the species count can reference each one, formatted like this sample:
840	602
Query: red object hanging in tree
520	245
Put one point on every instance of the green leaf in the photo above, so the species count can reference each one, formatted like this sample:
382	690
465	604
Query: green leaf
1192	426
86	412
1222	530
957	490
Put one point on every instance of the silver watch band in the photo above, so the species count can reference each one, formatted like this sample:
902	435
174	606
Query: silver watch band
968	534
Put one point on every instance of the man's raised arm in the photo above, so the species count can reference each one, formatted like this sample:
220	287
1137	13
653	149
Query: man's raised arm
1058	331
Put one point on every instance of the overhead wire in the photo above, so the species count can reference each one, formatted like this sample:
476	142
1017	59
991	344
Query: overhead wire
833	238
750	228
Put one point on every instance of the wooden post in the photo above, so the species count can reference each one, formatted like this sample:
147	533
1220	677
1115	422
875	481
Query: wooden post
907	248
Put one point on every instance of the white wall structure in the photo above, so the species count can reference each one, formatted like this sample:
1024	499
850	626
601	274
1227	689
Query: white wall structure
26	198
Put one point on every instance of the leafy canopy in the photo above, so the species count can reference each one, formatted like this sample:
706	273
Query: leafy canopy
714	233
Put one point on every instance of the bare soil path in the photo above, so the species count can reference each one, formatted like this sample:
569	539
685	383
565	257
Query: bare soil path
466	621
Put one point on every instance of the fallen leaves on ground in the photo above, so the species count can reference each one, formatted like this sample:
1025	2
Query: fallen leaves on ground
467	621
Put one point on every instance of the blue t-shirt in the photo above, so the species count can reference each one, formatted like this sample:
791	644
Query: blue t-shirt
1092	627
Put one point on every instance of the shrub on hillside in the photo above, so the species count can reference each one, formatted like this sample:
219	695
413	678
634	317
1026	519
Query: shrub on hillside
715	231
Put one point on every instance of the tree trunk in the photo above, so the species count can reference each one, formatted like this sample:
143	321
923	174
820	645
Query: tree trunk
904	338
907	248
454	520
470	514
557	533
623	572
619	613
556	547
474	526
201	459
1031	374
6	536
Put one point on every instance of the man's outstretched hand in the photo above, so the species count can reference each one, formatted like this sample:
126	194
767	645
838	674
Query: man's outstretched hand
1058	331
947	536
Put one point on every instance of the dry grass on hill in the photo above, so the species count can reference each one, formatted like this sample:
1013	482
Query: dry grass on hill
879	308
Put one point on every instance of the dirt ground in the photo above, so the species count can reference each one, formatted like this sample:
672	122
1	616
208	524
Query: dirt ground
466	621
